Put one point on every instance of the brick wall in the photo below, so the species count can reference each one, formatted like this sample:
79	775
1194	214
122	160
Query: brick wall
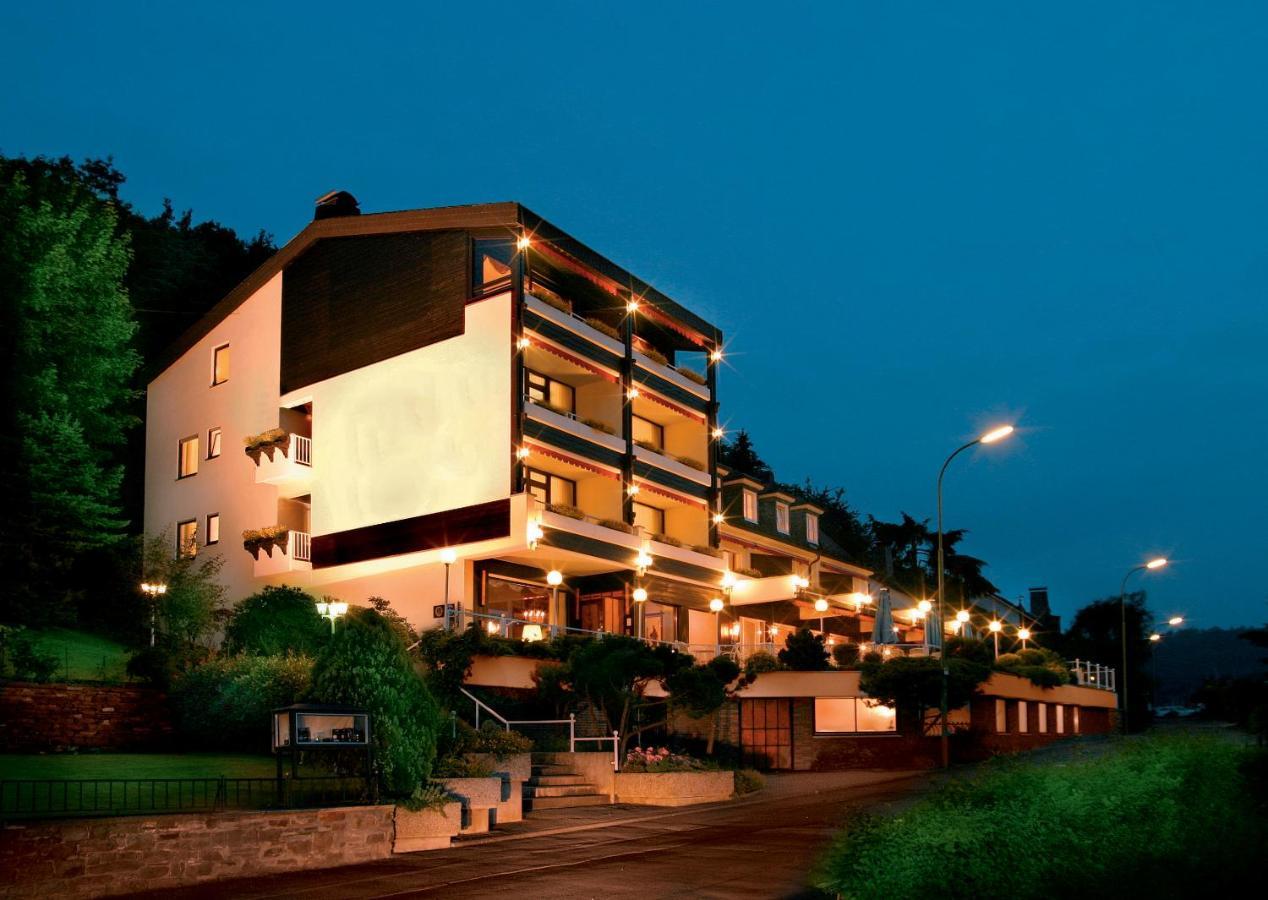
103	857
50	717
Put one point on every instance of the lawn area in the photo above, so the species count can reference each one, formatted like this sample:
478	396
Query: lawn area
82	656
136	765
1159	817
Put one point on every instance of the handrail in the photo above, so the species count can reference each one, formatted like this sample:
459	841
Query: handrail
480	704
571	721
616	747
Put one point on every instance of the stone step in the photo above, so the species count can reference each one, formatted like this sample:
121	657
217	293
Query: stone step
549	780
562	790
531	803
552	770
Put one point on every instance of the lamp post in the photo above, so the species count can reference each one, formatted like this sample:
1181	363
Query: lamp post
1152	565
153	591
715	606
996	627
640	597
1156	638
331	609
554	578
995	434
447	556
1024	634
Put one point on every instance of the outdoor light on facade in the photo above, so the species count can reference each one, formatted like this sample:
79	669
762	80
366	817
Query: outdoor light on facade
799	583
331	610
728	580
643	561
523	453
535	534
523	343
962	617
715	356
821	605
632	306
716	605
632	393
773	631
632	490
554	578
718	518
924	606
640	595
523	243
718	434
447	556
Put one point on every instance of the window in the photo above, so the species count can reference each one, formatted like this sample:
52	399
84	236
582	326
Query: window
512	604
213	443
1043	718
1074	718
548	392
213	528
766	732
220	365
853	715
648	433
781	518
1060	719
188	457
750	505
650	518
812	528
1022	725
491	265
1001	717
187	538
548	488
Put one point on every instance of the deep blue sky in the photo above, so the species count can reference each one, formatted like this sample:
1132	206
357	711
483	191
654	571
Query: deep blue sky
911	221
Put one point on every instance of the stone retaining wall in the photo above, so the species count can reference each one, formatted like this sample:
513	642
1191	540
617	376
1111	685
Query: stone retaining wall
104	857
39	718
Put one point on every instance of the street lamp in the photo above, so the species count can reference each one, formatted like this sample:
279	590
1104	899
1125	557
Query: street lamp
1151	566
447	556
990	437
331	609
554	578
153	590
640	597
996	627
1024	634
715	606
1175	621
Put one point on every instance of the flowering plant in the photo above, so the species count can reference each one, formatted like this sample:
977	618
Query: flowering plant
661	759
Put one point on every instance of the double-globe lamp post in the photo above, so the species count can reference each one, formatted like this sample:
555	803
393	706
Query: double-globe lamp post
1151	566
995	434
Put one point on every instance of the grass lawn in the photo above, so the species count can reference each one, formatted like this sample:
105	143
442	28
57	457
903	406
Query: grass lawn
82	656
136	765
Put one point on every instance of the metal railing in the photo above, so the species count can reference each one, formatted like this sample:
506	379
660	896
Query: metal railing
301	450
616	747
58	797
1095	675
509	724
301	546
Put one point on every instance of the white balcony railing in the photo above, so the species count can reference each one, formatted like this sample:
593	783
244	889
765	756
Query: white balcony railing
1094	675
301	546
302	449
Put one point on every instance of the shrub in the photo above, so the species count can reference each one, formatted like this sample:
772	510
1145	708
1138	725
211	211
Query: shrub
552	299
599	425
715	552
604	328
666	539
366	665
653	354
760	662
26	660
1168	817
1042	667
845	655
617	524
748	781
692	375
226	703
648	445
805	651
277	620
564	509
1007	661
660	759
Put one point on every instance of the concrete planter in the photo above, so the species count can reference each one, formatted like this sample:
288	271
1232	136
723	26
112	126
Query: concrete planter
480	798
426	829
514	770
674	788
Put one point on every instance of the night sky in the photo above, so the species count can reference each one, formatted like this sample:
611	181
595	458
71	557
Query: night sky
911	222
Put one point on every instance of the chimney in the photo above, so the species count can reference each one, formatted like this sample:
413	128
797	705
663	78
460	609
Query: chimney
336	204
1039	603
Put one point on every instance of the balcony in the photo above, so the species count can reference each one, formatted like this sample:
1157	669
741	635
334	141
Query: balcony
683	387
683	475
278	550
572	333
285	461
567	427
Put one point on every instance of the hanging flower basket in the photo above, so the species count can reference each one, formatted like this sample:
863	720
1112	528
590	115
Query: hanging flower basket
266	442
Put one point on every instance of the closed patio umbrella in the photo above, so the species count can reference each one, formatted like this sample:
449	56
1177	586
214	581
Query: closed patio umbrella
883	630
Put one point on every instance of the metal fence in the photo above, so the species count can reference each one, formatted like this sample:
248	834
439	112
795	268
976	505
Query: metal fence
57	797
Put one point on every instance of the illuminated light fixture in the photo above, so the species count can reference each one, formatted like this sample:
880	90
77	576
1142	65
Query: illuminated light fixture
523	343
718	518
492	627
918	614
924	606
331	609
716	605
773	631
821	605
728	580
996	434
632	490
554	578
448	556
800	583
535	534
831	641
644	559
640	595
523	453
996	626
1175	620
1156	563
715	356
1024	634
863	647
523	243
632	306
1155	637
633	393
531	634
718	434
153	590
962	616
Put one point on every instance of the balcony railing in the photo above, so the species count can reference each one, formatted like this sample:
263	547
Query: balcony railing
1093	675
302	449
301	546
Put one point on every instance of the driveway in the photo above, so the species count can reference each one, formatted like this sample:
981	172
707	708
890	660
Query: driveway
759	847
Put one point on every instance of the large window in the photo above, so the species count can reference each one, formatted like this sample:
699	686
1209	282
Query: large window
650	518
213	528
188	457
512	604
781	518
750	505
766	737
491	265
812	528
648	433
220	365
548	488
213	443
547	391
187	538
853	715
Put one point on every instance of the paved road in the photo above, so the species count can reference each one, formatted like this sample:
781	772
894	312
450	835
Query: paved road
760	847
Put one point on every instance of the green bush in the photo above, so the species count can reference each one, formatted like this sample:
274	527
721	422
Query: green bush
226	703
760	662
276	621
805	651
24	657
1168	817
747	781
1042	667
845	655
366	665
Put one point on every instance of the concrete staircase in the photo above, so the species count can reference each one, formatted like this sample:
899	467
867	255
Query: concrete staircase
555	786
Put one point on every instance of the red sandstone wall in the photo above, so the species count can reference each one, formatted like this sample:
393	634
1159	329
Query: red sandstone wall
37	718
104	857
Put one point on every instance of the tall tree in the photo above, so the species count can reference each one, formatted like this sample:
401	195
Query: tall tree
69	363
739	455
1095	634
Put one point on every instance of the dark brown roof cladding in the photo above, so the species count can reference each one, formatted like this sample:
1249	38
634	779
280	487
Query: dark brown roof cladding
475	216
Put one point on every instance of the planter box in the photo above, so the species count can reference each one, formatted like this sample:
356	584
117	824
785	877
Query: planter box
514	770
426	829
674	788
480	798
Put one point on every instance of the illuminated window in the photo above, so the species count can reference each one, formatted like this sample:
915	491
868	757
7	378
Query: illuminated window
548	488
750	505
781	518
1001	717
1043	718
547	391
853	715
213	443
1060	719
220	365
1074	718
188	457
812	528
187	538
1022	725
648	433
213	528
491	265
650	518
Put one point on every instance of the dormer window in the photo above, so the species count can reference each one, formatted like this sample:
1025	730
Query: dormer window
812	529
750	505
781	518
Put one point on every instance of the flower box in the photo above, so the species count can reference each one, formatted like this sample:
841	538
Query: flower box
426	829
674	788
